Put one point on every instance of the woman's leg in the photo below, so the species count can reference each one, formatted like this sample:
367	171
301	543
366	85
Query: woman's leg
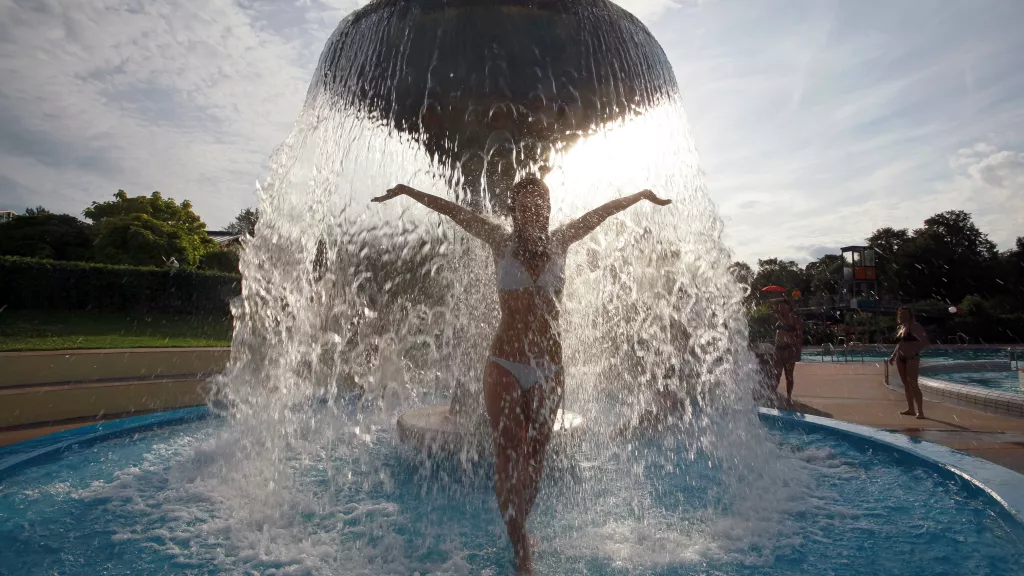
778	367
913	367
542	405
901	366
504	404
788	368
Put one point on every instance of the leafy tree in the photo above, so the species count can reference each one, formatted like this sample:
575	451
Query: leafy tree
772	271
245	222
148	230
975	306
947	259
956	229
887	243
140	240
822	275
1010	275
41	234
742	272
37	211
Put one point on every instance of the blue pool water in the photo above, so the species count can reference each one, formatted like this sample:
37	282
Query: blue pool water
162	502
1004	381
880	353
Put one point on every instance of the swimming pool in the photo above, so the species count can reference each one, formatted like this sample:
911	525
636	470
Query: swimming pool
1004	381
879	354
167	500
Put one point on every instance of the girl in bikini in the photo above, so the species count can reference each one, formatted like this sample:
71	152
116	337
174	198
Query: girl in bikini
523	377
911	338
789	342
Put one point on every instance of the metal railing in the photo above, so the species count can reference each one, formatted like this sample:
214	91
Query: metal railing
852	352
960	339
832	301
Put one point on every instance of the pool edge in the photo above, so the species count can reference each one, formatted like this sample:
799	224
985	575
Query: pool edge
25	453
991	401
1003	485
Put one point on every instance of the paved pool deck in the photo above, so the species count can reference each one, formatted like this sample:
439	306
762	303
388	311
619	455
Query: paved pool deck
856	393
852	392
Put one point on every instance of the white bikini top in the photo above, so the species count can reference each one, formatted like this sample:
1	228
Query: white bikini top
512	275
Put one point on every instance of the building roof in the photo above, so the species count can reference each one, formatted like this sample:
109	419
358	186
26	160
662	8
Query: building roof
229	242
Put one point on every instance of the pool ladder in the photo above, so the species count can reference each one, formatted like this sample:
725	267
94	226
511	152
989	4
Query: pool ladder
848	353
1015	355
960	339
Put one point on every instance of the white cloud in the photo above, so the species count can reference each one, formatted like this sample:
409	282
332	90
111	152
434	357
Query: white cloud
188	97
817	121
647	10
820	121
990	184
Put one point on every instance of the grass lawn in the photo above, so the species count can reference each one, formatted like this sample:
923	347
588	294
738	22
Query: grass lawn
65	330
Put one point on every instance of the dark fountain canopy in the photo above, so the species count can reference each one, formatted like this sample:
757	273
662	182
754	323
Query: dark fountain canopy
488	87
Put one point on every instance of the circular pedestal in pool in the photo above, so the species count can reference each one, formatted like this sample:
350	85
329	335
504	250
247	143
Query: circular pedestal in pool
183	500
431	428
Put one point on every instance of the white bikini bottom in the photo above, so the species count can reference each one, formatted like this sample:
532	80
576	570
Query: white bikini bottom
528	375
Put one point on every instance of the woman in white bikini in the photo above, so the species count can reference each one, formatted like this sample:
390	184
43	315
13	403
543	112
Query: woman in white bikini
523	377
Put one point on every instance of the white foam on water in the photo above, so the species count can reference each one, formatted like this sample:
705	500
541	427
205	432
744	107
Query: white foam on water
183	504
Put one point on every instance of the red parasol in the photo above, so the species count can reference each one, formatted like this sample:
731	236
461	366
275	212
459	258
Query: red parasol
773	288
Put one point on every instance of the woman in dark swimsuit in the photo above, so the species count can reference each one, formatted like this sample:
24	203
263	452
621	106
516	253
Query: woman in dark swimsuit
523	376
789	342
911	338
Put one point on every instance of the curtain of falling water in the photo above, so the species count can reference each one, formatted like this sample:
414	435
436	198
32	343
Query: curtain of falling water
394	306
390	303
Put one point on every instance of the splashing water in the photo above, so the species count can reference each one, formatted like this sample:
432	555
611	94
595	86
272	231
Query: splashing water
391	307
353	313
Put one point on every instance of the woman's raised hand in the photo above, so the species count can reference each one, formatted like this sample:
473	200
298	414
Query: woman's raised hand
395	192
654	199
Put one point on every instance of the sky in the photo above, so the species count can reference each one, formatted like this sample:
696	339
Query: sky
817	121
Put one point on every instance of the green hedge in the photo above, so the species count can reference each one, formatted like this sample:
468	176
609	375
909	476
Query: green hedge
30	284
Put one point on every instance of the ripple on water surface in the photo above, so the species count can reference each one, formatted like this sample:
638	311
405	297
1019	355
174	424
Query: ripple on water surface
1003	381
164	501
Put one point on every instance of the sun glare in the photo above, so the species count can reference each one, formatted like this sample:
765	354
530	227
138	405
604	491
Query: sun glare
617	160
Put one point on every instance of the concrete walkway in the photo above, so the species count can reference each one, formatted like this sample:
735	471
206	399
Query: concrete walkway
856	393
47	391
849	392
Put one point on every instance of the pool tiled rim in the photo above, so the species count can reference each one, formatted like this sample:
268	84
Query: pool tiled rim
30	452
975	397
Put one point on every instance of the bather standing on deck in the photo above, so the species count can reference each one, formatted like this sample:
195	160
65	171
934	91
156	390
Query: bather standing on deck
789	342
911	338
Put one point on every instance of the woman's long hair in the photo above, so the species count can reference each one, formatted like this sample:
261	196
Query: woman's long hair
526	184
907	311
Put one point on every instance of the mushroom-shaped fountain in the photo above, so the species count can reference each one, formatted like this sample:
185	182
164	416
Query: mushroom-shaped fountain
488	87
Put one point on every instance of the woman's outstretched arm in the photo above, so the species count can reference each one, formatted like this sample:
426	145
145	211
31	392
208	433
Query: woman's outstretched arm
473	223
579	228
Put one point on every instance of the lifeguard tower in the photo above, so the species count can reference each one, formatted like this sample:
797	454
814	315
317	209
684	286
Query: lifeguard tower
859	284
